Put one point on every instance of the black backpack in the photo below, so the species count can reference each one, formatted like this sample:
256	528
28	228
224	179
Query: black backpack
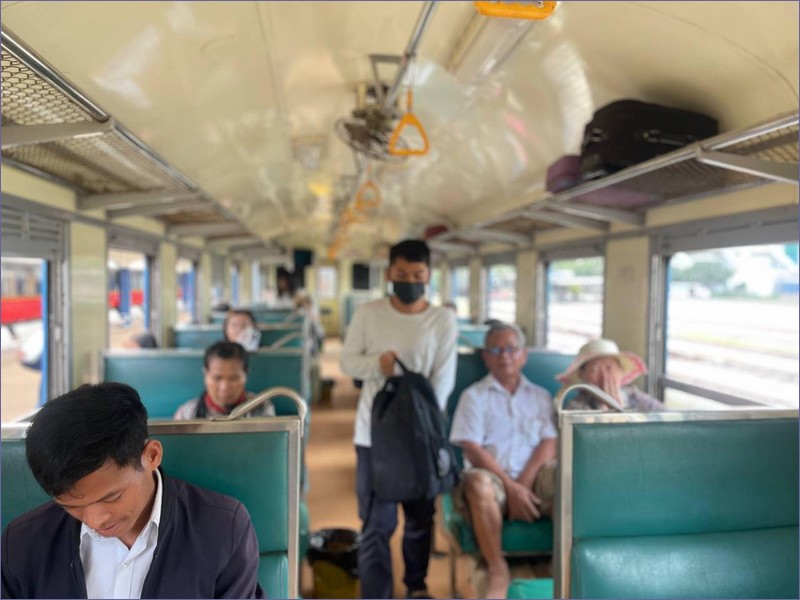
411	457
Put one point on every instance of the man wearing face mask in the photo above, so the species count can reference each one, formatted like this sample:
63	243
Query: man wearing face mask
405	326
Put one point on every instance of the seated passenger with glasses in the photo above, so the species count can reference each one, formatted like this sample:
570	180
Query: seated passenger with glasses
118	526
601	363
224	375
506	427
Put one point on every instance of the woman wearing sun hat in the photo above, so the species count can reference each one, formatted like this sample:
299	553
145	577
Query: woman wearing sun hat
601	363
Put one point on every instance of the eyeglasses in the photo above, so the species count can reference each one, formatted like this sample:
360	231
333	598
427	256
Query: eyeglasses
497	351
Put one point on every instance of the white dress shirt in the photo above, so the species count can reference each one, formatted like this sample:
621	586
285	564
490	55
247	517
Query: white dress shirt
508	426
110	569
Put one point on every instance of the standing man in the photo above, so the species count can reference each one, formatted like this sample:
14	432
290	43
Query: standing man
506	427
405	326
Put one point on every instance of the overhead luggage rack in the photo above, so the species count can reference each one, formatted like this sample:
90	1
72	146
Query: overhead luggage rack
721	164
725	163
52	129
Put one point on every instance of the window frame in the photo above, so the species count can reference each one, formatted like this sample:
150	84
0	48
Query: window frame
547	256
769	226
55	253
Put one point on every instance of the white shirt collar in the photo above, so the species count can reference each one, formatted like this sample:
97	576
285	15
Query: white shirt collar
155	513
495	384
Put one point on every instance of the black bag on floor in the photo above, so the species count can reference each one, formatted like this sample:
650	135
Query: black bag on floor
411	457
627	132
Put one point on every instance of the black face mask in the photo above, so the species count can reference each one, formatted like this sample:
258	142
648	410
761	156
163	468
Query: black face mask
408	292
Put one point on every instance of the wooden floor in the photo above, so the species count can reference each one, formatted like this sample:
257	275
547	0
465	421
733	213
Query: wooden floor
331	496
331	470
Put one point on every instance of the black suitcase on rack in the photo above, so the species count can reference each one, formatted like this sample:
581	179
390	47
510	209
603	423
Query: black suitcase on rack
627	132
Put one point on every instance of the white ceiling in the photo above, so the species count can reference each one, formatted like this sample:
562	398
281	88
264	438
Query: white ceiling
221	90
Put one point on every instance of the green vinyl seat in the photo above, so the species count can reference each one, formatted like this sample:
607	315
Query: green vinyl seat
660	505
253	460
165	379
289	335
518	537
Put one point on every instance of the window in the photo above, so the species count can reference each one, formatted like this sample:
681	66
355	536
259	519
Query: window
459	291
128	291
186	272
435	287
326	282
732	326
574	302
24	336
501	296
32	311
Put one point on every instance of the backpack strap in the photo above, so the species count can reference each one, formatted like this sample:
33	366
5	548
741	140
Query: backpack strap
201	412
402	366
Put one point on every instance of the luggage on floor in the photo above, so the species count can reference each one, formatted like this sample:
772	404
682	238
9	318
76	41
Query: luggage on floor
627	132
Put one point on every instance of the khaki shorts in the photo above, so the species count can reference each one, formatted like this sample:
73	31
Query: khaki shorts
544	486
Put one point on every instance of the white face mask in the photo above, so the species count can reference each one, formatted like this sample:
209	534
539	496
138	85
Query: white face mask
249	338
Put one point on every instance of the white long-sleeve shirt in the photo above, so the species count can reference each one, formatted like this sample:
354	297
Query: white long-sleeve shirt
425	342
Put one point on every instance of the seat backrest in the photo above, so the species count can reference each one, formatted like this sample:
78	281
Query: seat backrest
167	378
20	492
541	368
671	505
202	336
253	460
472	335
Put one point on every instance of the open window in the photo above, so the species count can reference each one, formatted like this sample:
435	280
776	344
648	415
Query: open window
573	299
729	314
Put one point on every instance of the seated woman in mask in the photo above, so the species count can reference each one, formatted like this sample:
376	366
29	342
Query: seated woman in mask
224	375
240	327
601	363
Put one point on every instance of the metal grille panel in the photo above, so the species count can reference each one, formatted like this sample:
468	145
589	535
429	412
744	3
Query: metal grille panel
682	180
29	100
780	146
100	164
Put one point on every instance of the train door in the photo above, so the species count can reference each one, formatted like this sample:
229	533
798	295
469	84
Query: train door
33	317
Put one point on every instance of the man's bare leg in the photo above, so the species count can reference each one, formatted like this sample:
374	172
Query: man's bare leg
487	522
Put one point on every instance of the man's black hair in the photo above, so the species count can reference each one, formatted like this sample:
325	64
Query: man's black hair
412	251
227	350
237	311
79	432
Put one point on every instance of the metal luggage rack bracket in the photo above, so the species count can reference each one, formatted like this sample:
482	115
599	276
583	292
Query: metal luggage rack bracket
52	129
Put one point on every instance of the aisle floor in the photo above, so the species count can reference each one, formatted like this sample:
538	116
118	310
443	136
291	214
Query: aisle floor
331	496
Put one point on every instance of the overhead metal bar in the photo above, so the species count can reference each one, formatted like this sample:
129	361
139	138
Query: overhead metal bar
445	246
786	173
161	209
489	235
131	199
204	229
232	243
46	71
563	219
374	60
410	52
25	135
601	213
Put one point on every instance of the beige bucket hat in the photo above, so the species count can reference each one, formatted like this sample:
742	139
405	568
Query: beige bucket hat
632	365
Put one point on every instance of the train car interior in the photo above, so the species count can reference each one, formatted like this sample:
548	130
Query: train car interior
166	162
